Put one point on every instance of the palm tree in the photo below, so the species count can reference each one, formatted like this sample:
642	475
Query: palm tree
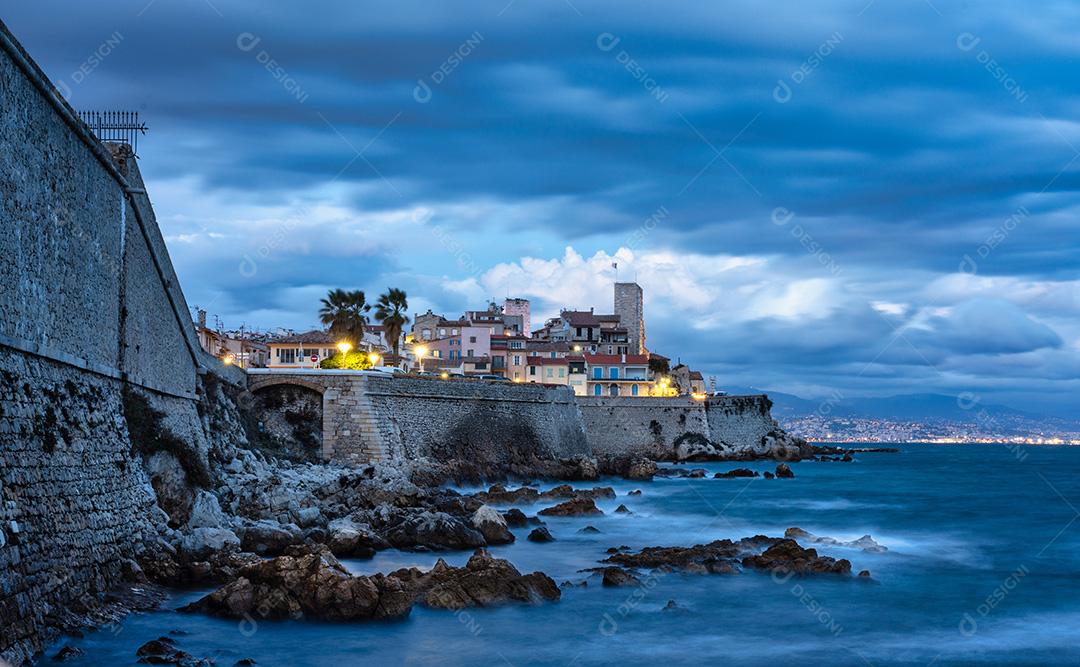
343	312
390	310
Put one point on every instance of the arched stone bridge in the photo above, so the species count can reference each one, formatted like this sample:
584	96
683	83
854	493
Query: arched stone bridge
349	430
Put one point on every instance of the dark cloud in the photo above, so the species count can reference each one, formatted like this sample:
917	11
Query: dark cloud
910	141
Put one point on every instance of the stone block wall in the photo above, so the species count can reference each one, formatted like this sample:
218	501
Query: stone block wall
74	502
474	420
90	308
652	426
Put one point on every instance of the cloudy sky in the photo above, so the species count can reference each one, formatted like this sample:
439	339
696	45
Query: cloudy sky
864	198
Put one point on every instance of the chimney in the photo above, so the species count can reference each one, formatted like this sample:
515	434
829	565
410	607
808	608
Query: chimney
202	318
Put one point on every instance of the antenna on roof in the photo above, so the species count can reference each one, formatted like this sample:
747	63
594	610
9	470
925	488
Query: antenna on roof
117	126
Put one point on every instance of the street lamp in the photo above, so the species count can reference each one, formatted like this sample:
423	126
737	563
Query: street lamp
421	352
344	346
373	357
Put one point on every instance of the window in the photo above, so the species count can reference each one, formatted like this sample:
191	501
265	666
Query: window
442	333
597	390
470	354
517	359
598	372
287	355
472	339
562	372
614	373
554	355
425	334
532	370
453	332
550	372
633	390
613	390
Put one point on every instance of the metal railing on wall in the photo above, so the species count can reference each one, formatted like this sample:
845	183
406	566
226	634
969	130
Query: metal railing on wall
120	126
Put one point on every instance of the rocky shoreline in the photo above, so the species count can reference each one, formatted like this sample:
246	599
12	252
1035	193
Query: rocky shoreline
269	532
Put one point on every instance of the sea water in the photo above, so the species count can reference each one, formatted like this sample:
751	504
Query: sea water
982	567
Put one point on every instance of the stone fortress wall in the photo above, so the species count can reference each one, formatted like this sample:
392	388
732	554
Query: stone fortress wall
90	310
653	426
366	417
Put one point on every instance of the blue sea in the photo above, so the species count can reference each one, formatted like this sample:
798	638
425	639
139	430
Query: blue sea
982	568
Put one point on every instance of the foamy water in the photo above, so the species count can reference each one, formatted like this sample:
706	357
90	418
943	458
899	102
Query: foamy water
960	523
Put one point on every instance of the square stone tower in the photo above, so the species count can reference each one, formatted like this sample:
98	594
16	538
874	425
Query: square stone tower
520	308
630	307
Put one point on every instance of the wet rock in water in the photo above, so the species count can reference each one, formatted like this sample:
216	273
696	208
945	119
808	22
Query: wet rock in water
482	582
717	557
787	556
641	469
769	475
674	606
635	492
864	574
541	534
432	530
575	507
167	566
697	473
163	651
499	495
515	518
567	491
589	530
866	543
616	576
307	582
622	509
738	472
492	525
783	471
67	653
244	662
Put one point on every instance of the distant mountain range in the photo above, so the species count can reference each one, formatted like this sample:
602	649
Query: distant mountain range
910	407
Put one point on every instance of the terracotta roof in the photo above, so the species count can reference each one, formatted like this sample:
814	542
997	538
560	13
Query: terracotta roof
616	359
653	355
547	361
696	375
608	318
580	318
314	336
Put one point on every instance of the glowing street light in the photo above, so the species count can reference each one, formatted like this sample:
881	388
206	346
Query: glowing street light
421	352
374	357
228	360
344	347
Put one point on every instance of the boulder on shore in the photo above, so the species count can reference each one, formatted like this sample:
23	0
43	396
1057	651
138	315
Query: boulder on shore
641	469
492	525
431	530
